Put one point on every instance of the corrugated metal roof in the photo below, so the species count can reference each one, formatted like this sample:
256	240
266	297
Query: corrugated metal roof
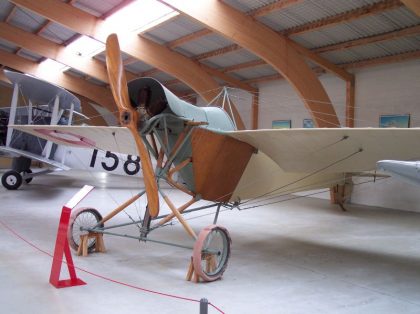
401	45
100	56
359	28
5	9
248	5
174	29
259	71
184	52
375	50
206	43
29	55
27	20
75	73
95	7
57	33
153	38
233	58
343	56
162	76
5	45
181	88
138	67
309	11
96	82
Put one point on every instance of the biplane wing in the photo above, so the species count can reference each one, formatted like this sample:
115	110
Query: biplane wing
13	152
115	139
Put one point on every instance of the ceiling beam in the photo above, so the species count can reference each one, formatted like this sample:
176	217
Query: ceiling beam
10	14
217	52
138	47
383	60
273	48
189	37
264	10
409	31
348	16
275	6
413	5
97	94
406	56
329	66
229	79
161	57
49	49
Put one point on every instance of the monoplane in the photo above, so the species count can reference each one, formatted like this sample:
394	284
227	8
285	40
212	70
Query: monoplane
217	163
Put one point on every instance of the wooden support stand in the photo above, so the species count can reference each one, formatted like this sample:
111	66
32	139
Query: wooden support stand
84	240
193	276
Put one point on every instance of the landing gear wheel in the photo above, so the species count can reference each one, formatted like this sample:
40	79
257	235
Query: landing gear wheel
27	180
80	220
11	180
211	252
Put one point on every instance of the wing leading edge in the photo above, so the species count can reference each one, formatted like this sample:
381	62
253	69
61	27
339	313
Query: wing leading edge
115	139
336	150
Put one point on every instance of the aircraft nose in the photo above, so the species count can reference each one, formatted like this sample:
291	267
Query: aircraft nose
380	165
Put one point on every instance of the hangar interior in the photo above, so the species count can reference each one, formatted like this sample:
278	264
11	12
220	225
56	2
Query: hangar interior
293	63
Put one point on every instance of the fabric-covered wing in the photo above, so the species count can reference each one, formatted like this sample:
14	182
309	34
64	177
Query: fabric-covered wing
114	139
306	159
18	152
263	177
334	150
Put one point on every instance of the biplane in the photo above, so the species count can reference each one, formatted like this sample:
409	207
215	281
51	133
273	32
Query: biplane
37	102
216	162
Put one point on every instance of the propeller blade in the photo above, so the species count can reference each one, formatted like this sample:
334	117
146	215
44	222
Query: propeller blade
129	117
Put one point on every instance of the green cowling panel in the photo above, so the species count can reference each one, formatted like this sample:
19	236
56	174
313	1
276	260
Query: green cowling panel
216	118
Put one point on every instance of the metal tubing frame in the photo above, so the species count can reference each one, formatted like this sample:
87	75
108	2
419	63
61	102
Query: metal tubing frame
145	239
165	174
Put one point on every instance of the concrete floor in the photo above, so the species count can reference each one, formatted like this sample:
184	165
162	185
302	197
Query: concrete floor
300	256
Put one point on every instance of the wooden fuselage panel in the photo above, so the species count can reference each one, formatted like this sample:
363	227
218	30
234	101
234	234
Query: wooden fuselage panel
218	162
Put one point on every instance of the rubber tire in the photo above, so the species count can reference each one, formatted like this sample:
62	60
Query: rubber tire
73	217
29	179
7	175
198	245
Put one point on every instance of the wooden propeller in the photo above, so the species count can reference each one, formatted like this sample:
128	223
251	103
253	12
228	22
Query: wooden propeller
129	117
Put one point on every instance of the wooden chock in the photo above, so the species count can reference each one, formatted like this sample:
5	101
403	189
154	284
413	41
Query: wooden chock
190	271
192	274
84	240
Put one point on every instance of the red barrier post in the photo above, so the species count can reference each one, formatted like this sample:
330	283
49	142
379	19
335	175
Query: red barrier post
62	246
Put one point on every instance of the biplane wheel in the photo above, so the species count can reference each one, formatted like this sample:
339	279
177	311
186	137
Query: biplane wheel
80	219
211	252
27	180
11	180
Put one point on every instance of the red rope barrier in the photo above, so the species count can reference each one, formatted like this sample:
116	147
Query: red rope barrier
106	278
